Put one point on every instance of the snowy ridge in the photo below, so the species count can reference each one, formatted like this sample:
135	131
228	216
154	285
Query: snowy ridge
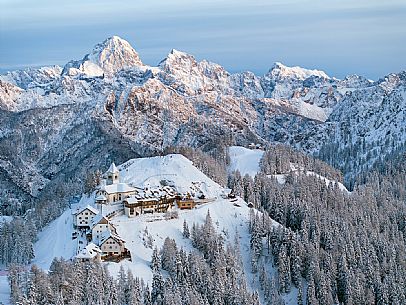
328	181
281	71
175	168
246	161
281	178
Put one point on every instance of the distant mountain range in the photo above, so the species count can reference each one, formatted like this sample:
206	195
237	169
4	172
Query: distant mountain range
59	122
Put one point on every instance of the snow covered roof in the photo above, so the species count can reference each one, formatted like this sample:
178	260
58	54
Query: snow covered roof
131	199
101	198
118	188
151	194
88	252
112	169
88	207
99	219
149	199
109	234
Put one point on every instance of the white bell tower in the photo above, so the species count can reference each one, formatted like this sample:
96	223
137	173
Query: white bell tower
113	174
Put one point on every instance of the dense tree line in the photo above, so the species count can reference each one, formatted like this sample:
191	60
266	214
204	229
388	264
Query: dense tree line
76	283
212	274
16	239
348	248
280	159
356	158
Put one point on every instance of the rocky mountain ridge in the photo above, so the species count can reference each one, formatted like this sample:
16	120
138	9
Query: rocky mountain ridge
109	105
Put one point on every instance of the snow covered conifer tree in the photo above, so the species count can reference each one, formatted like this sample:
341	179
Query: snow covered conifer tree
186	233
284	274
155	261
157	292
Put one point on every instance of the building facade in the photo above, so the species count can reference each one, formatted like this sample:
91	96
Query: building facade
100	226
83	218
186	203
112	245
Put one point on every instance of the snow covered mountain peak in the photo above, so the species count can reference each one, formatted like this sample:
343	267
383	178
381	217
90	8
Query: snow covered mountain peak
176	58
178	53
281	71
355	81
106	58
184	73
283	82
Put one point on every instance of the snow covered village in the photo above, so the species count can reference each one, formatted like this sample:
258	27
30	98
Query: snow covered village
94	231
146	204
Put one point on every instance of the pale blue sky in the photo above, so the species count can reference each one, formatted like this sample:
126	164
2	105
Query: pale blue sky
342	37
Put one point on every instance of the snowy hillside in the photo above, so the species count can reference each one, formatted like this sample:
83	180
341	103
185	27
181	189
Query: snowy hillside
175	169
228	217
245	160
281	178
55	241
142	233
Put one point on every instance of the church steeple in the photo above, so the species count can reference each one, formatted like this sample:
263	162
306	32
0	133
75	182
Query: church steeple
112	174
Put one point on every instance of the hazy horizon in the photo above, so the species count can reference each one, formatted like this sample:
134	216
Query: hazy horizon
340	38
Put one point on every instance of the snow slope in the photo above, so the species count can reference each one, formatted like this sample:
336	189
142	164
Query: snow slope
281	178
245	160
328	181
55	241
4	289
174	168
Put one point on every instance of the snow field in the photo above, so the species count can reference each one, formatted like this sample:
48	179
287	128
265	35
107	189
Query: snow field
245	160
176	168
55	241
4	289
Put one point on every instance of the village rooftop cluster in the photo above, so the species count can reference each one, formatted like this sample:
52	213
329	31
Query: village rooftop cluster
97	237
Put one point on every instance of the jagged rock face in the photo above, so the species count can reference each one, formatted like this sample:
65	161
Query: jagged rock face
247	84
183	73
42	149
66	120
281	81
32	78
9	95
